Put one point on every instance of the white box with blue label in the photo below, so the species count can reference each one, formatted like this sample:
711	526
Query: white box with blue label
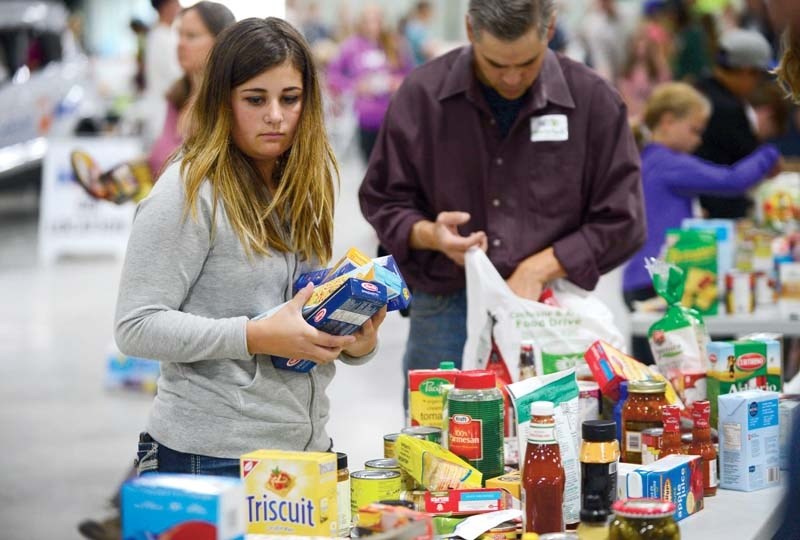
675	478
341	314
183	507
749	440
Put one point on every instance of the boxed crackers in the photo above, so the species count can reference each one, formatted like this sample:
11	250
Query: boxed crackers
749	440
183	507
290	493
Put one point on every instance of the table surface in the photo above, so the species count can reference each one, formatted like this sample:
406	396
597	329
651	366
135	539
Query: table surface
764	320
735	515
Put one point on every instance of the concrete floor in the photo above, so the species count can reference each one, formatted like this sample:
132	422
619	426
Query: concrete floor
68	442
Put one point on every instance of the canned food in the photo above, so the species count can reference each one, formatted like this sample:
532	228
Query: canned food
417	497
505	531
651	445
368	487
388	445
427	433
385	464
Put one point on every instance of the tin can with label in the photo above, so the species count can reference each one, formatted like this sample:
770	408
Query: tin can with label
427	433
388	445
387	464
739	295
368	487
417	497
651	445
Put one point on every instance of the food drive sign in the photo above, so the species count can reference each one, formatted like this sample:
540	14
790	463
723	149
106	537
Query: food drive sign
71	222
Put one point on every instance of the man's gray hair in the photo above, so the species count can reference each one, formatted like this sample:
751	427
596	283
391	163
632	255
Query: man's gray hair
508	20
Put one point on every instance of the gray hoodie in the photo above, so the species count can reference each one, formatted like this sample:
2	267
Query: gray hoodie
184	299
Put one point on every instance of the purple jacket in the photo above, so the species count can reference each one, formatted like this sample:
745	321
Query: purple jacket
671	179
362	60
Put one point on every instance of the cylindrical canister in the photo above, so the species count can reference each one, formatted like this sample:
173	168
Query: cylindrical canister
427	433
388	445
368	487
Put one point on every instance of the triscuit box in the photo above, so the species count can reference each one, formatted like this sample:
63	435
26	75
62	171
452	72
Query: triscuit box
183	507
742	365
749	440
342	314
290	493
676	478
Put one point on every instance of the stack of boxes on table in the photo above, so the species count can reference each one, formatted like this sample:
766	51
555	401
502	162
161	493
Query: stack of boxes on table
466	464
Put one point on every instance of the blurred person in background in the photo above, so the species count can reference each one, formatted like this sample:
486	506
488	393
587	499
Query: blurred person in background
139	30
161	63
694	44
198	27
370	66
506	146
741	64
672	126
220	240
754	16
647	66
786	13
417	31
605	35
314	28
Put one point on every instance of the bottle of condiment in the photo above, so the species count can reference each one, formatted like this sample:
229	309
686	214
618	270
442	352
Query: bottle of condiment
594	519
642	410
599	458
643	519
527	360
617	411
475	432
703	447
671	439
543	478
344	515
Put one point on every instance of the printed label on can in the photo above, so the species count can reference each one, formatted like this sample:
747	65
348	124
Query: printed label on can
633	441
466	436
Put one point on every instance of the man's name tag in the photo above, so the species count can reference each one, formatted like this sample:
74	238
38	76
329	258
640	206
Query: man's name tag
550	127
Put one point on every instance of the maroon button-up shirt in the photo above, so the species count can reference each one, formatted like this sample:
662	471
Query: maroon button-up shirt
440	150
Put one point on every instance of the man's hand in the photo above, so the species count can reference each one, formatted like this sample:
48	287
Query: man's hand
287	334
442	235
529	278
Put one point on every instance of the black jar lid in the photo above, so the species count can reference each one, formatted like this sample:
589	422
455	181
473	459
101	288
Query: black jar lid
341	461
599	430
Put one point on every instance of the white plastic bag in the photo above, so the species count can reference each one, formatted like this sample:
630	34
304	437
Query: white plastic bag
560	334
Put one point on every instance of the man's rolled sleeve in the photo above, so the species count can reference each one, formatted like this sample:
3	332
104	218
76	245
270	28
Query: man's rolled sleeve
578	259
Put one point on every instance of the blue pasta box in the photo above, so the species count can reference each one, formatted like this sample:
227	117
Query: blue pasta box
677	479
388	273
341	314
749	440
183	507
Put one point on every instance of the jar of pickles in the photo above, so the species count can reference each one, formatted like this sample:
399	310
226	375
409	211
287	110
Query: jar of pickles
642	411
643	519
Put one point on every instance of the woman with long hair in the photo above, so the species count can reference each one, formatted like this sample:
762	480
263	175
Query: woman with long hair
198	28
245	209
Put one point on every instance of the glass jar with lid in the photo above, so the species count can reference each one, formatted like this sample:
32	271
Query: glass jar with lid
642	410
643	519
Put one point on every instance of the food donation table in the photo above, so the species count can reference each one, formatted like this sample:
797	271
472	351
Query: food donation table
763	320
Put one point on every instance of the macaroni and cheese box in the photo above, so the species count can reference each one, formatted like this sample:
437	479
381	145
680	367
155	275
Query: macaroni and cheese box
749	440
676	478
742	365
290	493
183	507
342	314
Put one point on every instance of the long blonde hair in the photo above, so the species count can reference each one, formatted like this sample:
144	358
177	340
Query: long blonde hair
298	216
789	69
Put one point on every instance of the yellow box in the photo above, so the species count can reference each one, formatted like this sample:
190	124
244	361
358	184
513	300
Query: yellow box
511	482
290	493
433	467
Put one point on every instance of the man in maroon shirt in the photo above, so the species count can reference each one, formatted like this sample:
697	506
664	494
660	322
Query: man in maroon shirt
509	147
